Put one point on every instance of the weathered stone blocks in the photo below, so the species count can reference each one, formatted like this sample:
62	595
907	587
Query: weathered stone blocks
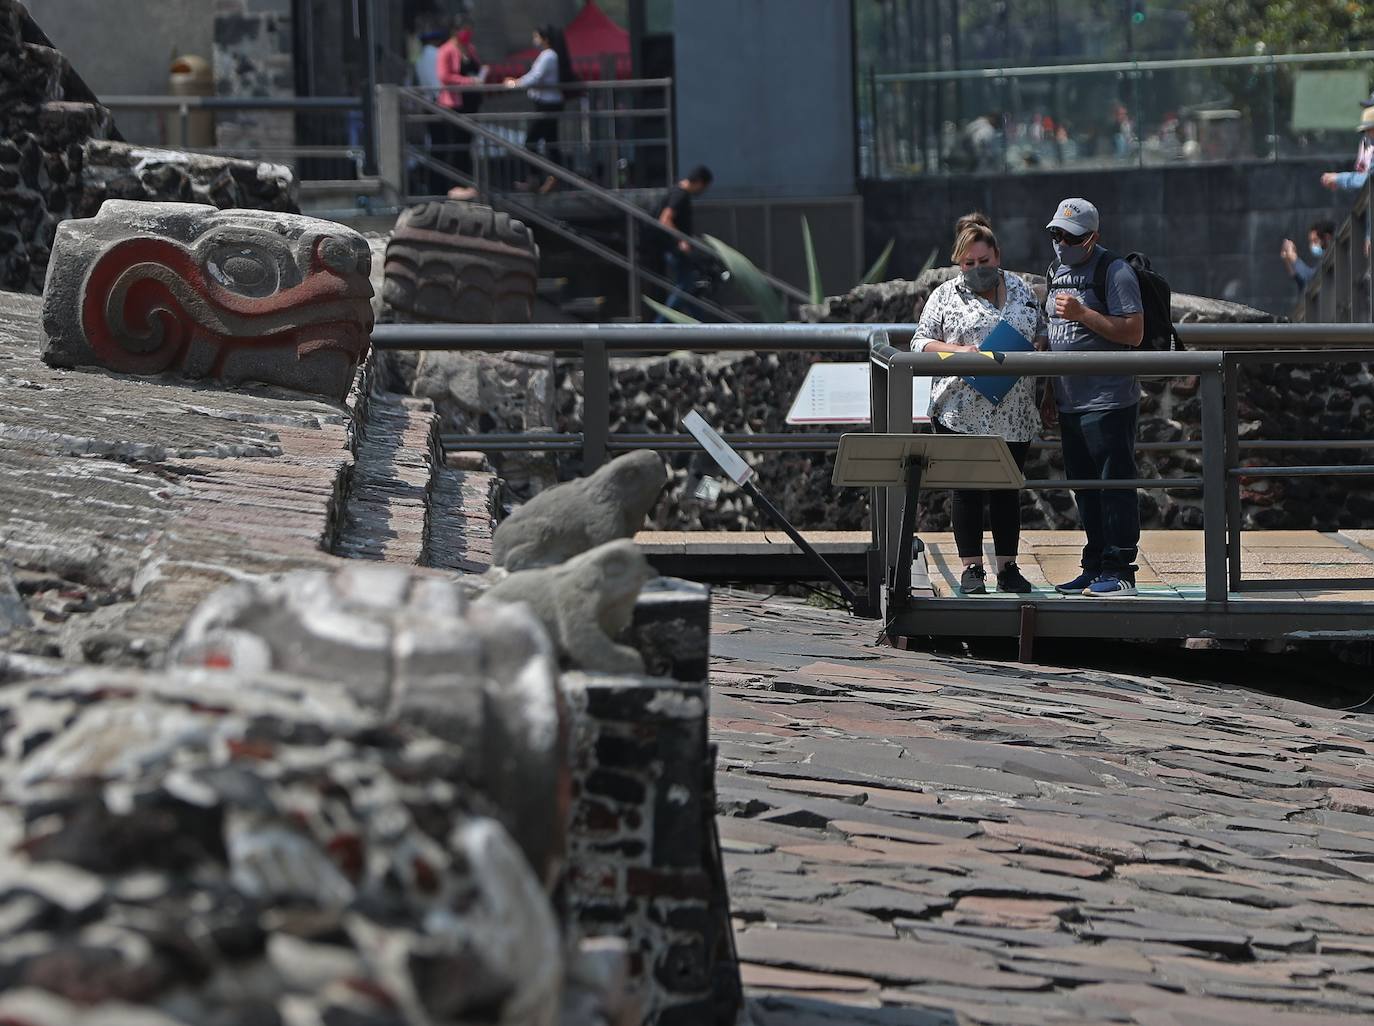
230	847
236	296
481	678
462	263
466	263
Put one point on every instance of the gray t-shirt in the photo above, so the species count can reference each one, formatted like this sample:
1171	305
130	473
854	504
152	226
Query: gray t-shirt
1085	393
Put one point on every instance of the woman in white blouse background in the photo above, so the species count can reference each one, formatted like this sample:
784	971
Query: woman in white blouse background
956	319
550	68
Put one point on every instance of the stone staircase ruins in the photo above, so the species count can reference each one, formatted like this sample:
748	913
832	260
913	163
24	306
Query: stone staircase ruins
387	795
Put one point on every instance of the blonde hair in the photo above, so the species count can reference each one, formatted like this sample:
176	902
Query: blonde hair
973	217
970	234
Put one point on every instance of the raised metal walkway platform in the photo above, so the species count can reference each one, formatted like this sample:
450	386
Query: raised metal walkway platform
1171	582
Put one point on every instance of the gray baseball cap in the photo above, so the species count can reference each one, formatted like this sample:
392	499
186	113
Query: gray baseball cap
1075	216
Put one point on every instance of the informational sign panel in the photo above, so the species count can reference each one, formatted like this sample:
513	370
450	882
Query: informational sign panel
837	393
719	449
948	461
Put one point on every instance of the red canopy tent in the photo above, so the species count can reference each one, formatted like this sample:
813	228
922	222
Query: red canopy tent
591	36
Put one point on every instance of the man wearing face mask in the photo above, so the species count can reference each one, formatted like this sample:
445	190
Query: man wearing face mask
1319	238
1091	311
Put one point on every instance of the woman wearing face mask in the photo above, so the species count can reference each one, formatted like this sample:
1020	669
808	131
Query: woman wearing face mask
957	317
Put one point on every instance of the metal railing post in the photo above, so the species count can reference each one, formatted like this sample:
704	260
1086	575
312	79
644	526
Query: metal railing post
1234	515
878	376
391	137
900	385
1214	525
596	404
670	134
632	253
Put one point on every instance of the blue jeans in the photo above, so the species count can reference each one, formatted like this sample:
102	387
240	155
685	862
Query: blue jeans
682	269
1100	446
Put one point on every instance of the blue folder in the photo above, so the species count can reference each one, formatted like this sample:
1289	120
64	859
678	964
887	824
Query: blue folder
1001	339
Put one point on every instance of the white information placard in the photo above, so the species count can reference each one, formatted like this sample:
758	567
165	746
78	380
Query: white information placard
837	393
719	449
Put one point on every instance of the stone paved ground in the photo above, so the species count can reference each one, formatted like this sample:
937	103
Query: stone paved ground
915	838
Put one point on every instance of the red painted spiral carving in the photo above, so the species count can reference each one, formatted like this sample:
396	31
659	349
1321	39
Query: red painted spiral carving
147	300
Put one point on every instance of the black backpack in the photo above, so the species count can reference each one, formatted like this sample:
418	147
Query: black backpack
1155	299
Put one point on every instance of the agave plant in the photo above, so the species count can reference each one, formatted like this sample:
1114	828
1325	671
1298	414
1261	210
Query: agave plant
771	304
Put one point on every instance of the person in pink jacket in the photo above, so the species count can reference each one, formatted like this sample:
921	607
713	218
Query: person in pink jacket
458	65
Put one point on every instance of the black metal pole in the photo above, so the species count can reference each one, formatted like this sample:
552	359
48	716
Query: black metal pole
856	604
366	26
901	584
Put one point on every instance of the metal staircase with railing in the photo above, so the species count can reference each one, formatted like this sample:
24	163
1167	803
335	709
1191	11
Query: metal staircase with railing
401	113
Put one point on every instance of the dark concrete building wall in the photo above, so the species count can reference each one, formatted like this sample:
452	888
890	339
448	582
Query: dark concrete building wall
119	51
765	95
119	55
504	26
1211	230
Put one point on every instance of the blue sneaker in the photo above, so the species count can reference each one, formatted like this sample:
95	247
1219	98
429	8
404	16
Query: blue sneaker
1078	586
1110	586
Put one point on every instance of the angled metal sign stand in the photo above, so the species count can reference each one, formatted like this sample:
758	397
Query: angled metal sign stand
921	461
743	475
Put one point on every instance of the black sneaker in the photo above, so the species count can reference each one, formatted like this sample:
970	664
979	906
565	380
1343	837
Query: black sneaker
1010	578
971	583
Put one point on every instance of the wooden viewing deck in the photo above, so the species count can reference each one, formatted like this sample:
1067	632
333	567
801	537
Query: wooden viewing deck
1170	580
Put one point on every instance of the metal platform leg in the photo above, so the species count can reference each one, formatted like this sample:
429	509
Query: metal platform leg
899	596
1026	636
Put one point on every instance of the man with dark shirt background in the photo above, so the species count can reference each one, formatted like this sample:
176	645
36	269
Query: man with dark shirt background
677	214
1091	311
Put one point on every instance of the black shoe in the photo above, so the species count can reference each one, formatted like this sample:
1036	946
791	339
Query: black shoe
971	583
1010	578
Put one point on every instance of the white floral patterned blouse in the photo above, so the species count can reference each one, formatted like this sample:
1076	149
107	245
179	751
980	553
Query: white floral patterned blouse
954	313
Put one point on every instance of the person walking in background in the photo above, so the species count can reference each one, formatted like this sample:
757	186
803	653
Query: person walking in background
1319	238
1092	308
677	215
427	62
457	65
957	317
550	68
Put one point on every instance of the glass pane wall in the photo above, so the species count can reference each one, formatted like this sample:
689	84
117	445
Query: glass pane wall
1124	114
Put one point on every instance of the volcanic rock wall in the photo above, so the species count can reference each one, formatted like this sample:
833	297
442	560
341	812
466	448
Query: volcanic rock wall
750	393
60	156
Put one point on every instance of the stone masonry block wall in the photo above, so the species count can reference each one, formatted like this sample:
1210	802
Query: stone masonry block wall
253	58
644	864
60	157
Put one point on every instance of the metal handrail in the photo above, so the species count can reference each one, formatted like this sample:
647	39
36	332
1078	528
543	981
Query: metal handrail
283	103
893	370
532	215
1168	64
606	196
637	338
581	85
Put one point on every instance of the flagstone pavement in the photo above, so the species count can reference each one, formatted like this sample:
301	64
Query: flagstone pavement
915	839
